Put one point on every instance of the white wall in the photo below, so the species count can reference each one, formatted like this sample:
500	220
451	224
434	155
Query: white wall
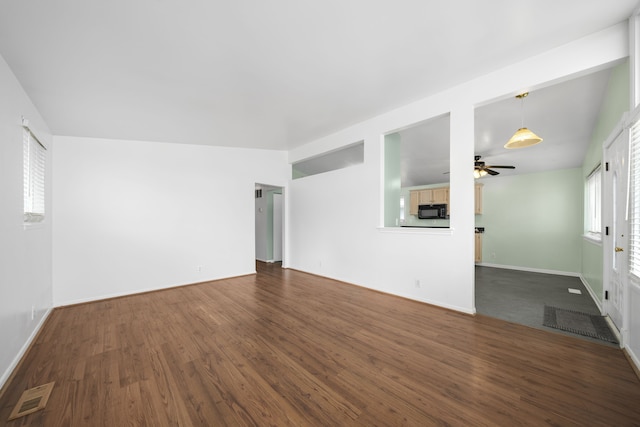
335	216
25	254
133	216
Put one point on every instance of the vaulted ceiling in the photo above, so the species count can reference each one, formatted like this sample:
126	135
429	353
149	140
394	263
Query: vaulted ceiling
564	115
260	74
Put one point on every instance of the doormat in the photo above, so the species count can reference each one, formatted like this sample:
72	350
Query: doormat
589	325
32	400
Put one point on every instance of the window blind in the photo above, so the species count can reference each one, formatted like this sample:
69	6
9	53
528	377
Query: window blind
593	201
634	220
34	159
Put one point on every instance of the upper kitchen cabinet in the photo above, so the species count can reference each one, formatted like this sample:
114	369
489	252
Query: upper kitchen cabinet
438	195
427	196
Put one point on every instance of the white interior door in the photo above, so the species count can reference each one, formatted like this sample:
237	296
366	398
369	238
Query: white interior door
616	239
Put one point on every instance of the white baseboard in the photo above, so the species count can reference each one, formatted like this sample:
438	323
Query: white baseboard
532	270
593	295
434	303
557	272
6	374
633	359
142	290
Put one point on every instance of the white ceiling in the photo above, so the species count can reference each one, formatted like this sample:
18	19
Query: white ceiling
261	74
564	115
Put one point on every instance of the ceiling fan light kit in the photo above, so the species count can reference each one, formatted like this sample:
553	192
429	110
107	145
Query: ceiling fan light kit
523	136
481	169
479	173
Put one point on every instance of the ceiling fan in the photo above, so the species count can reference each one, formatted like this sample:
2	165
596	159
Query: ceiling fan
481	169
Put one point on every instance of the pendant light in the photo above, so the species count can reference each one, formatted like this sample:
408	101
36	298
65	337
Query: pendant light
523	136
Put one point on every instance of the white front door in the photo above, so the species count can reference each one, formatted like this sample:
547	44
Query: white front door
615	230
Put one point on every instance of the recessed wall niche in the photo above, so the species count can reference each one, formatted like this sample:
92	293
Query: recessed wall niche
341	158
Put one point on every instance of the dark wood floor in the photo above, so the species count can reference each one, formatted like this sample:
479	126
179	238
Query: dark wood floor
287	348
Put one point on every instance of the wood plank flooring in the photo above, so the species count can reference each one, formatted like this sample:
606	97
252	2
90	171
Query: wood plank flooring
287	348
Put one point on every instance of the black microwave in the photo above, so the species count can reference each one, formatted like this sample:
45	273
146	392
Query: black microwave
432	211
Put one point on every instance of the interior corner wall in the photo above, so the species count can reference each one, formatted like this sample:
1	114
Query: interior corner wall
25	253
134	216
615	104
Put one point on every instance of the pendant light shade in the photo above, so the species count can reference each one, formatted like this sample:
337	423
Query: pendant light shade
523	136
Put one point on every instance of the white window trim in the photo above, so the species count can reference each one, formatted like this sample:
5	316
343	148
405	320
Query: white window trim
34	164
591	235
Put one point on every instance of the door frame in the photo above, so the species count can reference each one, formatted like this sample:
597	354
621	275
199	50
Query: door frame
266	213
608	240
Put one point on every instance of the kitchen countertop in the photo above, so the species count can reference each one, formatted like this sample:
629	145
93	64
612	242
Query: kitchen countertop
476	230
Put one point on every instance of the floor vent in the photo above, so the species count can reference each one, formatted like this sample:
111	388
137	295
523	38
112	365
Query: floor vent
575	291
32	400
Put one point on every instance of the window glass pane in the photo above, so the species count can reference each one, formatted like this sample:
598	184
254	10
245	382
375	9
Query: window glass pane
593	205
634	222
34	159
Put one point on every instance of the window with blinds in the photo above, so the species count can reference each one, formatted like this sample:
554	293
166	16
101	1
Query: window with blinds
634	220
593	205
34	159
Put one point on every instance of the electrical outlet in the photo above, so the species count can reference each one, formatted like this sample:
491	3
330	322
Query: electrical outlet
199	268
33	312
417	283
493	255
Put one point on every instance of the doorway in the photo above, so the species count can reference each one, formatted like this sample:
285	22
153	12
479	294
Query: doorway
269	225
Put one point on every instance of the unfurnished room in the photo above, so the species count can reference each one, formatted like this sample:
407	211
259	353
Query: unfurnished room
338	213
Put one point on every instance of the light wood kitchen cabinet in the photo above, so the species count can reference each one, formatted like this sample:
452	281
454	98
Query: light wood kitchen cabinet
427	196
440	195
478	257
414	202
478	198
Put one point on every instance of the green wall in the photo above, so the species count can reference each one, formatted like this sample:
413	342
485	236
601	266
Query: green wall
616	103
533	220
392	180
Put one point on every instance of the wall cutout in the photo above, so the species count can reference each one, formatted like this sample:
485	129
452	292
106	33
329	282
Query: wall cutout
416	171
341	158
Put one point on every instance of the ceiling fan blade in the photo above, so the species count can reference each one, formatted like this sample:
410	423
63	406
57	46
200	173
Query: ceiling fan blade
491	172
503	167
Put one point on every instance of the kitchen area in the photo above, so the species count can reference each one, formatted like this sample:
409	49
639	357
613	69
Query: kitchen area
430	207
